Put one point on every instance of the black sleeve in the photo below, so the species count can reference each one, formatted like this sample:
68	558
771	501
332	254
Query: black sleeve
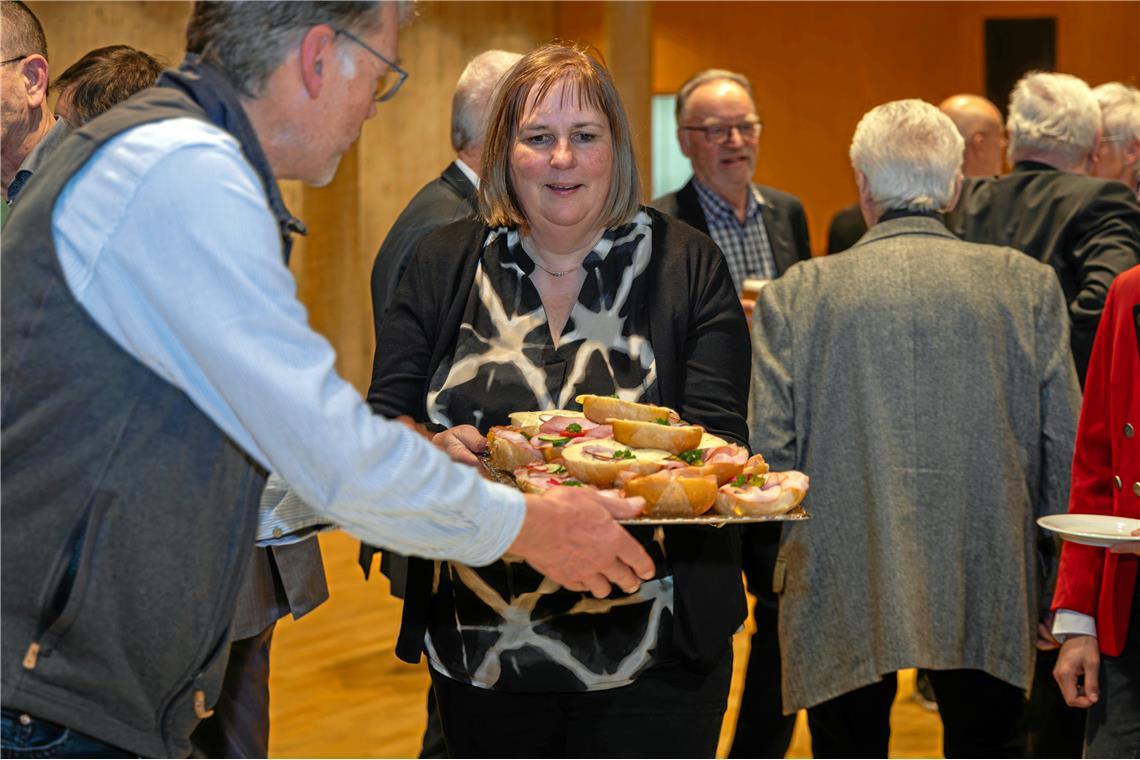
404	343
716	356
800	232
1107	243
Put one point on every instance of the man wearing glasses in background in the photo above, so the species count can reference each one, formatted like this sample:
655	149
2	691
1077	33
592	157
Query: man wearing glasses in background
762	231
157	363
28	130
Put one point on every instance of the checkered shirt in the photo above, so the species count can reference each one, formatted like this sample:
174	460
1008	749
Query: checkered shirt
746	247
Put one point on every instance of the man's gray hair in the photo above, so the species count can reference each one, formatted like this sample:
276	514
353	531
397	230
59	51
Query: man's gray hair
248	40
704	77
1052	113
1119	111
22	33
911	155
474	94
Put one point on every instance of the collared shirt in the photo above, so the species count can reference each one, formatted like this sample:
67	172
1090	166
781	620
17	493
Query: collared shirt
34	160
468	172
165	237
745	246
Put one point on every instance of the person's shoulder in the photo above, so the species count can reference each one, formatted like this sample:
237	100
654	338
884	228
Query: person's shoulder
678	236
666	204
452	242
779	197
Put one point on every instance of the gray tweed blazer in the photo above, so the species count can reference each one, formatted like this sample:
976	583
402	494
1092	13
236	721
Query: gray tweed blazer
926	386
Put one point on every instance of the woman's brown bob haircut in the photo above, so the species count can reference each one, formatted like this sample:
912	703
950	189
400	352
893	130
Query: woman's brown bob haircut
529	80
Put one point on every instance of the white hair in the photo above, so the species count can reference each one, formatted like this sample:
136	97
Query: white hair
1119	110
471	102
1052	113
910	153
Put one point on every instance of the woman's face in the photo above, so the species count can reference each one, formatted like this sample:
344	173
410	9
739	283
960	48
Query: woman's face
561	164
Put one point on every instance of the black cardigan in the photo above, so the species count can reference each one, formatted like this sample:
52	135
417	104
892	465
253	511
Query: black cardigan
703	356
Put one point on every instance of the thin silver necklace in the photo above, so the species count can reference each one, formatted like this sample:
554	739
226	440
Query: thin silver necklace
552	273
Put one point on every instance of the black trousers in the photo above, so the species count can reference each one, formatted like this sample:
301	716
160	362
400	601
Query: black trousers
239	726
981	717
1113	727
669	711
762	729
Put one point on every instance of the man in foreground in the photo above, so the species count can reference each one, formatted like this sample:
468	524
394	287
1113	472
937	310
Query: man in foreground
156	363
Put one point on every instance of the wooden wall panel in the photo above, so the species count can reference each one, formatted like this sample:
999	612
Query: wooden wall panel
817	67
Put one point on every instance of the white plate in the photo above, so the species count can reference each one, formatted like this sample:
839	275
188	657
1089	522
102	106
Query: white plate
1092	530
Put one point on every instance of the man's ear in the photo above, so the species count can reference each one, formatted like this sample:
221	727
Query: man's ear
957	195
683	137
1131	152
317	50
35	71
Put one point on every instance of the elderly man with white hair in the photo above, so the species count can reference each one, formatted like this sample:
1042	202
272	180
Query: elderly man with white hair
927	387
1118	156
1087	229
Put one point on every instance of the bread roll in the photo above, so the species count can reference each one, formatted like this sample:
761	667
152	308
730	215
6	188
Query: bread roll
684	492
530	422
599	462
603	408
652	435
510	449
759	495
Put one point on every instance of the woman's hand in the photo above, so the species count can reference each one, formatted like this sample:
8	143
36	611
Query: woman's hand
1078	657
1132	547
463	443
569	535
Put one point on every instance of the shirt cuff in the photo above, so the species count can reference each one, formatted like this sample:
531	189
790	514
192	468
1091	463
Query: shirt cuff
1069	623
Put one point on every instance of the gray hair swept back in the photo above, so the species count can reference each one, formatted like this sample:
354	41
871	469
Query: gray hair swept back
1052	113
1119	111
911	155
471	102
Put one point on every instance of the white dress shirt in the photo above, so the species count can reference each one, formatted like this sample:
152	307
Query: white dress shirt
166	239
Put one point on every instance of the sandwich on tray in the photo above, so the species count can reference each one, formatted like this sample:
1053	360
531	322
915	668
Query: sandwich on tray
634	449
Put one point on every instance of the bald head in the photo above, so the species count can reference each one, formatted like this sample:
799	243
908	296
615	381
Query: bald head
979	122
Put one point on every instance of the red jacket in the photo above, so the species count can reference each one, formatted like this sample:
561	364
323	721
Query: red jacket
1091	580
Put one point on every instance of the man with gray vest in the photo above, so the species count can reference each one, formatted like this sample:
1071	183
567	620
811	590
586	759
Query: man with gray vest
927	387
156	362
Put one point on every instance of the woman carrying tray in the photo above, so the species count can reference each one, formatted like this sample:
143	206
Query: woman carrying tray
568	286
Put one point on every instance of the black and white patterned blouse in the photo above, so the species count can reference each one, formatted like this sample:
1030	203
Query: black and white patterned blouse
505	626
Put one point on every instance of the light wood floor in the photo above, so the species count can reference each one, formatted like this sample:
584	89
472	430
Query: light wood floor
337	689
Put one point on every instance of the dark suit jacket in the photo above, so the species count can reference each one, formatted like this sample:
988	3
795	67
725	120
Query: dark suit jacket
783	219
1087	229
446	199
846	227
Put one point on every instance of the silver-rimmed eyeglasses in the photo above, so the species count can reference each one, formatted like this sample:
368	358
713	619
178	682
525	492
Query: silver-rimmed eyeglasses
718	133
386	87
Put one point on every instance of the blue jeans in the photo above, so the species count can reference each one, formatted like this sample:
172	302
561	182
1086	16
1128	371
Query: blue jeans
23	735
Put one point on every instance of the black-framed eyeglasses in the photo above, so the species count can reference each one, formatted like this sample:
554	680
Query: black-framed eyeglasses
386	89
719	133
13	60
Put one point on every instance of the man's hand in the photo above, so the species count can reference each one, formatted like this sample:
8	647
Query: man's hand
569	535
1078	657
462	443
1045	640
